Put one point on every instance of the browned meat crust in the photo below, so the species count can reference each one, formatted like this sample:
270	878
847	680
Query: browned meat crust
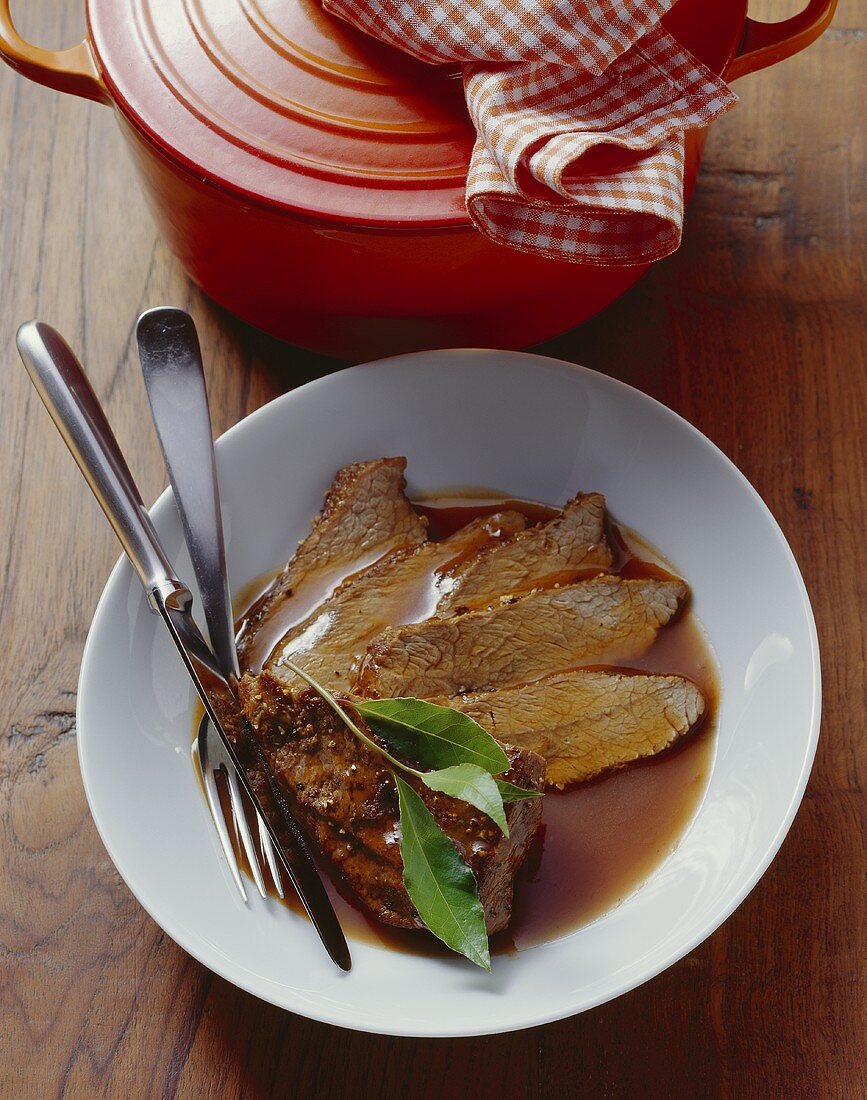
346	800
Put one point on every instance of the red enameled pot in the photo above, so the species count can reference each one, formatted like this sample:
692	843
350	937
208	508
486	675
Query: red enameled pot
311	180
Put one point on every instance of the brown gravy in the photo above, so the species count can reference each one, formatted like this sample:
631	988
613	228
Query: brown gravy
599	841
306	597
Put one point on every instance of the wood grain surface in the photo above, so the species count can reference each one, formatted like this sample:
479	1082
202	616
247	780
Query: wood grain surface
754	331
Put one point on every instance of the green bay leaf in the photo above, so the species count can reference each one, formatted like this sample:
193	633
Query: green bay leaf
431	735
439	882
510	793
472	784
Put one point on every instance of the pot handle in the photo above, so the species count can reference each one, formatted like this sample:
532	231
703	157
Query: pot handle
73	70
764	44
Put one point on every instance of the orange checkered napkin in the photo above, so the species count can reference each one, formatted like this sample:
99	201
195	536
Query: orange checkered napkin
580	110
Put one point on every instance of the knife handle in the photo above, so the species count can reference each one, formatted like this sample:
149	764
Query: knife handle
67	394
171	363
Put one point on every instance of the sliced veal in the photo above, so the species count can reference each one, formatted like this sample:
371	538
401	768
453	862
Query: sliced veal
554	552
601	620
586	722
366	515
402	588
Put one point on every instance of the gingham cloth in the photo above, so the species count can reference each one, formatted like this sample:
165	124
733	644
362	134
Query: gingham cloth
580	110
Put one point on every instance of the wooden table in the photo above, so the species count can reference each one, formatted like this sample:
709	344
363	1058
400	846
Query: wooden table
754	331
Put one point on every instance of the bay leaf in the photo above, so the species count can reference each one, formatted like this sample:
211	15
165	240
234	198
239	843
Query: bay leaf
431	735
510	793
439	882
472	784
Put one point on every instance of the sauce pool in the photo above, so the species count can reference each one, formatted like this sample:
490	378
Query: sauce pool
600	840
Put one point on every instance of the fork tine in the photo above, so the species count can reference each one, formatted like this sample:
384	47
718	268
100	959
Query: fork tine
270	856
243	829
213	798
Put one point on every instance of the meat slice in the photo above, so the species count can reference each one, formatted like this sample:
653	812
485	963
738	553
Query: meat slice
601	620
587	721
346	800
366	515
402	588
554	552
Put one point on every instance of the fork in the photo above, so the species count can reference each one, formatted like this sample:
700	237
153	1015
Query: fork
171	364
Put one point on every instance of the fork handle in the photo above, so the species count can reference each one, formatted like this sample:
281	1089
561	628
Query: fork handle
67	394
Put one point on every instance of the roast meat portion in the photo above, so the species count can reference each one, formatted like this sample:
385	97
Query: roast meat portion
605	619
366	515
556	552
586	722
346	800
401	588
496	620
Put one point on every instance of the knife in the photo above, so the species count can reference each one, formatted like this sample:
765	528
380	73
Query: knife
66	392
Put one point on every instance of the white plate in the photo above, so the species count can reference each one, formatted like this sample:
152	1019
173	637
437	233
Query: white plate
534	428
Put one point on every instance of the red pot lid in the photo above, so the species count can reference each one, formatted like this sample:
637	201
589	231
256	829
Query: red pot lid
288	105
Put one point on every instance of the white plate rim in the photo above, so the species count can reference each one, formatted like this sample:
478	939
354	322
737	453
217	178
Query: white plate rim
541	1018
